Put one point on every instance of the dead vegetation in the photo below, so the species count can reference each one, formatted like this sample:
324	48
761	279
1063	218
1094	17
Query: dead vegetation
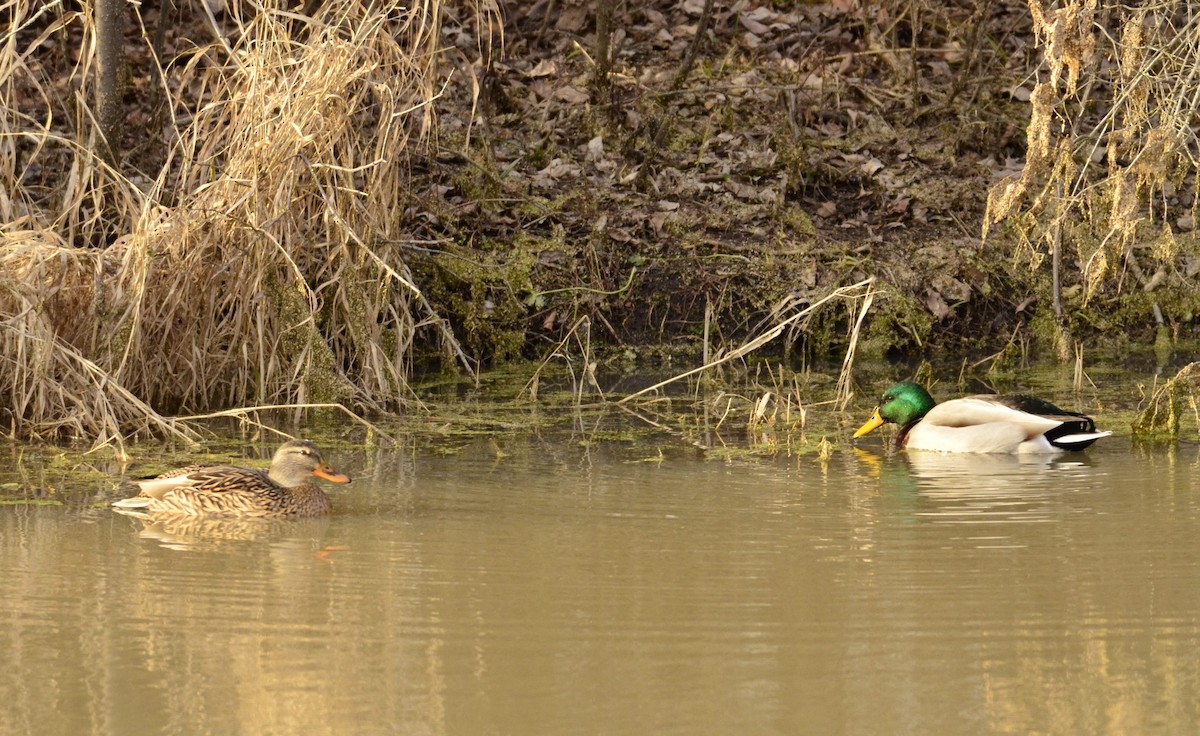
310	202
1109	181
1160	417
262	264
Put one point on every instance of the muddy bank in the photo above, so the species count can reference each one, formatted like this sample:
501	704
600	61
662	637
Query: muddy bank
315	208
804	151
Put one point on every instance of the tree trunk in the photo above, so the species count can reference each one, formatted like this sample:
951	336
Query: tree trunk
110	87
601	94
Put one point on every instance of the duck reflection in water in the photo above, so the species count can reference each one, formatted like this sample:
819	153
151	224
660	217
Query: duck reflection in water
200	533
979	487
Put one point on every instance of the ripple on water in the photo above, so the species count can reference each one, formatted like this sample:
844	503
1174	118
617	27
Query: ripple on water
912	594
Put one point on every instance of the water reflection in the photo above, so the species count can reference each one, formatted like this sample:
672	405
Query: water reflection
568	588
194	533
965	488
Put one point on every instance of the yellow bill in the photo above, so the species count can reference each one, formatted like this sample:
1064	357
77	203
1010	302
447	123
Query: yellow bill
872	424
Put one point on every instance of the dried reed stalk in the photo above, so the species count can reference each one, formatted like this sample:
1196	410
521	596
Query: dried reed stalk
1113	130
263	265
860	290
580	335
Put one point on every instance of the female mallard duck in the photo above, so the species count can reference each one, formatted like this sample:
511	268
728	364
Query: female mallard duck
283	490
984	423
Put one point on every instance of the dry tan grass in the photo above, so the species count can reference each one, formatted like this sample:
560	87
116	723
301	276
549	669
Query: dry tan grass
265	263
1112	134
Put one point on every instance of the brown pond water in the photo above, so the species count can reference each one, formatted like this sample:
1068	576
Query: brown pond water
582	588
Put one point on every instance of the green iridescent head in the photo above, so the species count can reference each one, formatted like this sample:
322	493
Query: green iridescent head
901	404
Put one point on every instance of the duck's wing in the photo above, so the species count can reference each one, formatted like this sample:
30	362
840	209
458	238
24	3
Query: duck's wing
186	470
209	481
1075	431
1033	425
974	411
219	490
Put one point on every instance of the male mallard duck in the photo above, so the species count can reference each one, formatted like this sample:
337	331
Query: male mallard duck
984	423
284	490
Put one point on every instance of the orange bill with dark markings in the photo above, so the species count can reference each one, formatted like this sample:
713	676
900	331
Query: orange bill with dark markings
331	475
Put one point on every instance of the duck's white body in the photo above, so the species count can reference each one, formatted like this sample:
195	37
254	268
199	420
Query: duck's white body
985	424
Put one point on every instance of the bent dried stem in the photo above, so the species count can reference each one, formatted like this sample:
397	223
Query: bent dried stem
860	290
